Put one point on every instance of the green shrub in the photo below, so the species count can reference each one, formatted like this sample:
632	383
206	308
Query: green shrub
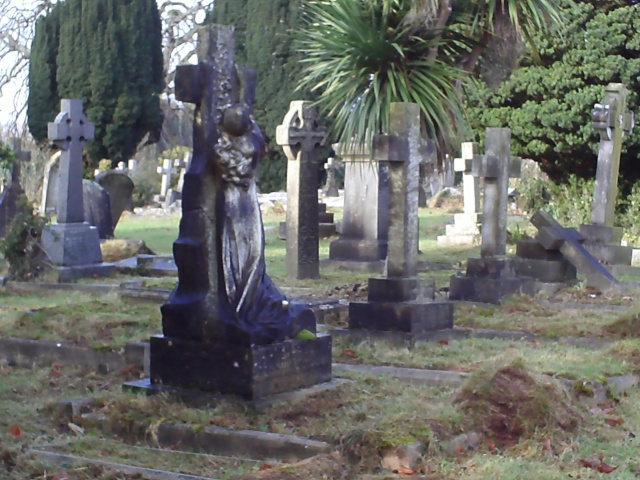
571	202
21	245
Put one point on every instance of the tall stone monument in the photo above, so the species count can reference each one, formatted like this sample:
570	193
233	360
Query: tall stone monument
613	121
365	218
300	136
71	243
226	327
465	229
400	301
494	275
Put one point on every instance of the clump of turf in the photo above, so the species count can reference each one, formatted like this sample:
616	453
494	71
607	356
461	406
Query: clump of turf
508	402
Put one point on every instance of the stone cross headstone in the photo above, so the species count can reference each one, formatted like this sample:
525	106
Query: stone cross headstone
72	242
300	136
70	132
495	167
331	186
470	184
183	165
166	171
400	301
613	121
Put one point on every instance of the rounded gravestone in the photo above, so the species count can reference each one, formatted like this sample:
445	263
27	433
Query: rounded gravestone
97	208
120	188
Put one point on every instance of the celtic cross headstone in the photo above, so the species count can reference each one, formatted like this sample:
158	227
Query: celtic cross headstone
300	136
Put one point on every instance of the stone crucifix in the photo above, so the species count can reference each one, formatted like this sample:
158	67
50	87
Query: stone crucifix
613	121
300	136
470	184
70	132
496	167
167	171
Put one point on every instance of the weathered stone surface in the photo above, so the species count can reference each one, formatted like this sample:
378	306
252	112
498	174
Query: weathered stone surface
410	317
97	208
250	372
384	289
300	135
489	290
547	271
496	167
553	236
72	244
120	187
365	223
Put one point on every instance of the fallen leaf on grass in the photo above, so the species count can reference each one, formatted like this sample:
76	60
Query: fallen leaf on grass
614	422
15	431
443	342
598	465
406	471
61	476
350	353
547	445
265	466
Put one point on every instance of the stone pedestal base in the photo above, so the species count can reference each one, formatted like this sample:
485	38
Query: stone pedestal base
547	266
410	317
488	290
70	244
465	230
361	250
94	270
249	372
489	280
401	305
604	243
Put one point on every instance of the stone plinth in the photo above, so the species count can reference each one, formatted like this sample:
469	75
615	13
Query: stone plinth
547	266
489	280
70	244
250	372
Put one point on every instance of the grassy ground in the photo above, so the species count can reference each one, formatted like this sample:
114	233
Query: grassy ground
528	430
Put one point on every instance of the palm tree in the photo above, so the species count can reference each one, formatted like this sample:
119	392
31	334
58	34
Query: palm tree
361	55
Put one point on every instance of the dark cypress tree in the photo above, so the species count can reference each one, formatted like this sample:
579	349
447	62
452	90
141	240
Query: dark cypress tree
44	103
109	54
264	38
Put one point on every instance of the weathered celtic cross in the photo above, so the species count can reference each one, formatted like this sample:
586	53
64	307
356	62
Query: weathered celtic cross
496	167
613	121
300	136
70	132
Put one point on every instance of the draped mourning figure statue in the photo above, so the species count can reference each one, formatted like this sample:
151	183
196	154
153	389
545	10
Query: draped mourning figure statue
224	294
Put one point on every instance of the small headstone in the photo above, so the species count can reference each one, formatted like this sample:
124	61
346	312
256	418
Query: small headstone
466	227
120	187
132	165
182	165
51	183
300	136
97	208
330	188
166	171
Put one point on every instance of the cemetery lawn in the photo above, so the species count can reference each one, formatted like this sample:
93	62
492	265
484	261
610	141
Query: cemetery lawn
364	419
